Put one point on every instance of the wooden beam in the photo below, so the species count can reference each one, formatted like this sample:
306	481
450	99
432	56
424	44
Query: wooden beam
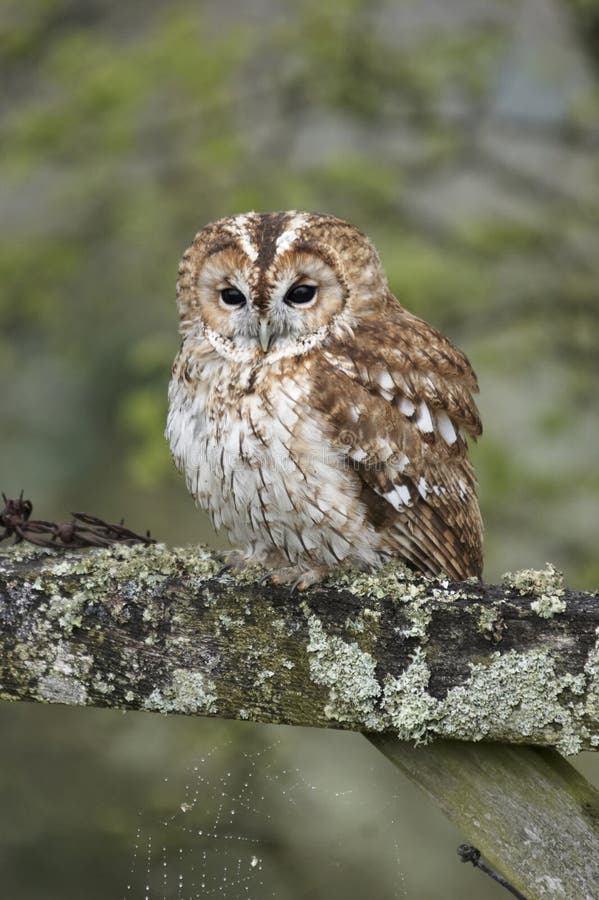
145	627
404	659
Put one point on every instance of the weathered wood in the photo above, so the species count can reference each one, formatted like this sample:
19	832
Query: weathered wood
151	628
148	628
532	815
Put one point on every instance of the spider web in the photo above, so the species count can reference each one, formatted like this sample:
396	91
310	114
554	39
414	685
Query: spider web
227	832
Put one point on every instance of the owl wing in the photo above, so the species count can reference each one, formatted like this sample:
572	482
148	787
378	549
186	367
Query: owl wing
398	403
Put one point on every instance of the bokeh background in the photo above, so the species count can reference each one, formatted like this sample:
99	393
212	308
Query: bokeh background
463	137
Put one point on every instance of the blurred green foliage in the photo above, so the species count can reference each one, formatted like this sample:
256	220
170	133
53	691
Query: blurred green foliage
128	129
462	141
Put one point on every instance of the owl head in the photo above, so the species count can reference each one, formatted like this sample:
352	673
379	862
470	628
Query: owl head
268	283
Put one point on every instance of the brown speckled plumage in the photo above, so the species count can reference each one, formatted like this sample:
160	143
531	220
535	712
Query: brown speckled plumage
325	432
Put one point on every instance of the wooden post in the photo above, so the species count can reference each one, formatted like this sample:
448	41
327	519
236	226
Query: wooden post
532	815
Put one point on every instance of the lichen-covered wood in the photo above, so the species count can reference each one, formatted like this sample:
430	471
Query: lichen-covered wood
154	628
533	816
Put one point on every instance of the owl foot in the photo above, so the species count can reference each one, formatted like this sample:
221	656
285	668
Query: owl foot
299	578
236	561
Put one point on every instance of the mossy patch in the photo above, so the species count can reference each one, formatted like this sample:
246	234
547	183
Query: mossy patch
349	674
546	585
535	581
188	692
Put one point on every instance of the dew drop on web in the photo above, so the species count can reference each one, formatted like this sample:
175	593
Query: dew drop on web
228	830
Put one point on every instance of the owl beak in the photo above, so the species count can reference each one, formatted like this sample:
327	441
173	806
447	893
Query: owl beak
265	334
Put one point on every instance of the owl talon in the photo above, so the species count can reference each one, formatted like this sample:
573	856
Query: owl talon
309	579
265	578
297	578
236	562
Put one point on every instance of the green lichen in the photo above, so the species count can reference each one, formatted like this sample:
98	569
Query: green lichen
413	591
398	583
349	674
514	694
491	623
548	606
76	584
61	689
103	686
388	581
188	692
264	676
487	619
591	670
546	585
355	624
144	566
519	695
246	575
406	702
68	610
418	602
547	582
87	577
365	626
17	553
65	676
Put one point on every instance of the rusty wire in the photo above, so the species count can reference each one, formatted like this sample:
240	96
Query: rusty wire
468	853
82	531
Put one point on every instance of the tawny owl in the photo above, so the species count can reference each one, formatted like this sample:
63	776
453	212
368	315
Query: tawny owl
319	422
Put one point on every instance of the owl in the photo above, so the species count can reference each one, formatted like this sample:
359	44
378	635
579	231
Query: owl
319	423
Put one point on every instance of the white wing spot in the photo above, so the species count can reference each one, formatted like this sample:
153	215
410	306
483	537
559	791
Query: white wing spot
404	493
385	381
393	498
423	419
398	497
446	429
406	406
422	488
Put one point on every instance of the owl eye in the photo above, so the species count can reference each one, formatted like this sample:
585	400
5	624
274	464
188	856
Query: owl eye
232	297
301	293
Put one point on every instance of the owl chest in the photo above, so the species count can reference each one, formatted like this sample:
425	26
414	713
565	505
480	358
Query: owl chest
235	449
260	463
267	475
253	454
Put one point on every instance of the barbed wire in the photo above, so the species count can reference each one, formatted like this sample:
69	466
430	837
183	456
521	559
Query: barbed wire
83	530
